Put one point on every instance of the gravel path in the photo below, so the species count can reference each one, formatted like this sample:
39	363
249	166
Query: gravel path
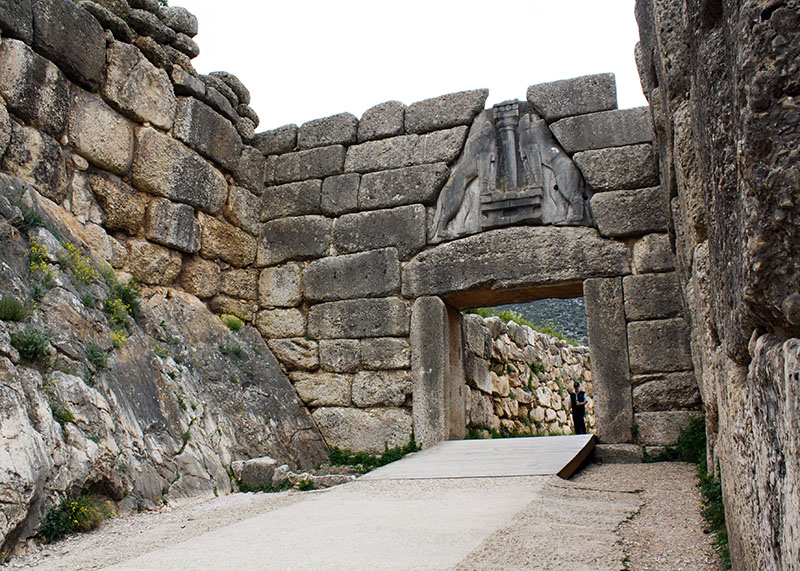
607	517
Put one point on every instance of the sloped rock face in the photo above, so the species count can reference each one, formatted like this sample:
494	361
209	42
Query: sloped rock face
154	418
721	78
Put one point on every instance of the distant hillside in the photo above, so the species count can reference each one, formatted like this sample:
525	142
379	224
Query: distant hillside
565	315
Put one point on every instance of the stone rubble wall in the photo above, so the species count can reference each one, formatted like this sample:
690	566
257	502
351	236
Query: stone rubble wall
519	379
721	79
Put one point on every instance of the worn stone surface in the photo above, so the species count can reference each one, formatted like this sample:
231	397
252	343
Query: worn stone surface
322	389
277	141
297	238
476	375
218	102
172	225
652	296
165	167
180	20
33	88
241	283
222	304
624	213
138	88
5	130
280	286
666	391
402	227
298	353
123	207
382	317
477	337
586	94
605	319
512	259
110	20
312	163
37	158
618	168
340	194
227	242
340	356
242	209
381	388
368	274
16	20
148	24
338	129
429	368
444	111
368	430
615	128
661	428
396	152
251	170
185	83
280	323
292	199
194	121
152	264
200	277
235	84
71	38
659	345
416	184
100	134
652	253
380	121
385	353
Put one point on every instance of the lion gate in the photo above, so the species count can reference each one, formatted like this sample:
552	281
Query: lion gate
377	232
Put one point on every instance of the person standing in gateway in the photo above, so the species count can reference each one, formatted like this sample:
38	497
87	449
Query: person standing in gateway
577	406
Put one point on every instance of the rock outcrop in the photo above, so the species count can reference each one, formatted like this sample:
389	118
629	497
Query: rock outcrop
722	81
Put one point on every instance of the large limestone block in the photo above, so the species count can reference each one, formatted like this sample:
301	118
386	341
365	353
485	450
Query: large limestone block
297	353
138	88
381	388
227	242
280	286
152	264
281	323
667	391
359	318
322	389
340	194
662	428
241	283
71	38
380	121
340	355
586	94
368	430
298	238
180	20
624	213
34	89
368	274
251	171
166	167
242	209
476	372
16	20
445	111
312	163
385	353
652	253
277	141
512	259
148	24
100	134
292	199
416	184
442	146
37	158
618	168
110	15
5	130
608	343
200	277
615	128
223	304
338	129
194	121
123	207
397	152
652	296
659	346
476	336
173	225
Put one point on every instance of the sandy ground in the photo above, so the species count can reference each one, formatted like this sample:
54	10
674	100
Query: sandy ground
615	517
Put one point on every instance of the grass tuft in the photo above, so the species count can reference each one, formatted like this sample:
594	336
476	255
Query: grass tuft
232	321
366	461
11	309
31	343
96	355
71	515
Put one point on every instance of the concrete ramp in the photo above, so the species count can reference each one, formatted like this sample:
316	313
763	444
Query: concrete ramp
534	456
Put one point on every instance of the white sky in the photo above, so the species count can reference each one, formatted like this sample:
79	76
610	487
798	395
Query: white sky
304	59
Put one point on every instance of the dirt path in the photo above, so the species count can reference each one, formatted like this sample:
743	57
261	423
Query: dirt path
614	517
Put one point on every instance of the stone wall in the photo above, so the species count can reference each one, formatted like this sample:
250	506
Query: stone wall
519	379
721	79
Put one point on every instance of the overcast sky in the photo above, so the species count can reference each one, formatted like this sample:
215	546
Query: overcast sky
303	60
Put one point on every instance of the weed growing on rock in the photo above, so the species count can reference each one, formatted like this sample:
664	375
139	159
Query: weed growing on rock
117	312
88	300
232	321
31	343
81	266
229	349
62	415
30	219
281	486
366	461
118	338
71	515
305	485
11	309
96	355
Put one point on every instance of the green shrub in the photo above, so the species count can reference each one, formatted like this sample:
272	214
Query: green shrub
129	294
232	321
71	515
30	219
228	349
39	290
305	485
366	461
96	355
81	266
62	415
31	343
11	309
88	299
